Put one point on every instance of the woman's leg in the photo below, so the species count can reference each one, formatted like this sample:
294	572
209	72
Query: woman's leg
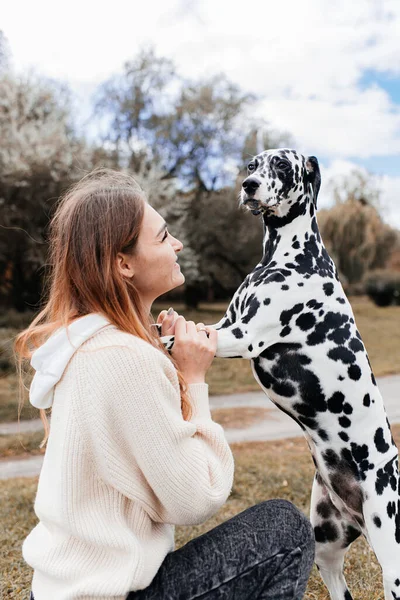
263	553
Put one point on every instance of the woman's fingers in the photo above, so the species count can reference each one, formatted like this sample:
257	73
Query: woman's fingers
180	328
191	328
213	338
167	320
161	316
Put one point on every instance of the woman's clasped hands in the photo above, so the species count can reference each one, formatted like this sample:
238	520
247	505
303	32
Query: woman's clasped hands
194	346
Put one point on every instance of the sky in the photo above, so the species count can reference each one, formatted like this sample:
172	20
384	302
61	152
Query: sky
326	72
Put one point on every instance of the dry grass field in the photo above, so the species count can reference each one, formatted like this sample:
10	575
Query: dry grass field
279	469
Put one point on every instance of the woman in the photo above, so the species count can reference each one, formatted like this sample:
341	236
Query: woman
132	449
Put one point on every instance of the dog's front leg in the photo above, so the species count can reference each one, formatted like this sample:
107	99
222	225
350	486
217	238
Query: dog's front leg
245	340
233	342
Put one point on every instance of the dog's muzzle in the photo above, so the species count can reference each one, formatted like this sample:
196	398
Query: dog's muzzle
250	186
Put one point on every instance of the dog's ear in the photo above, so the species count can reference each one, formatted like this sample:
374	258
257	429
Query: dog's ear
313	176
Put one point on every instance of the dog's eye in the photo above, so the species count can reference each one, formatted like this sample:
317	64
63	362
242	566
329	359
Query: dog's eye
281	164
251	167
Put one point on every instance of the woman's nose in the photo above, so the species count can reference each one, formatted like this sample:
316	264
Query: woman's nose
177	245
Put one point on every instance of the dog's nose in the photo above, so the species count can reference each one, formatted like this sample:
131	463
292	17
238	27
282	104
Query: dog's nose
250	185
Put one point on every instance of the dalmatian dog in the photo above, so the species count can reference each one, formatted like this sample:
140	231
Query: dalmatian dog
291	318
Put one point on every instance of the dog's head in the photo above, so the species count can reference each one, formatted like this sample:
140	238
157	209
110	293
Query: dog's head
277	179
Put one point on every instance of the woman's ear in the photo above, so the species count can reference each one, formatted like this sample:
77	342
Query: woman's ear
125	265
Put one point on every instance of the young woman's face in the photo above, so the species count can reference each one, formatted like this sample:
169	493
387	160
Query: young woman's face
153	265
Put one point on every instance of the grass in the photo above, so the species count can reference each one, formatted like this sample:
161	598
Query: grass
379	327
278	469
21	444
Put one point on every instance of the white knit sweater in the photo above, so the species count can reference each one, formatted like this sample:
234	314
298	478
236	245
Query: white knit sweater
121	468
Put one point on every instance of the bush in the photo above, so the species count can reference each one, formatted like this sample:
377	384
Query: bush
383	287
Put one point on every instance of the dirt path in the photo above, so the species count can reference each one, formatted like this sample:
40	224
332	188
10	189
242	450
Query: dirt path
277	425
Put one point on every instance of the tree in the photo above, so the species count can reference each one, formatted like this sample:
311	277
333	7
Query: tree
353	231
188	128
133	104
202	139
5	53
39	157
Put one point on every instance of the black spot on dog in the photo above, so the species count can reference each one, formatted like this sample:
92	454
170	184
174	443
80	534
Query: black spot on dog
391	509
386	476
252	307
347	408
354	372
342	354
284	389
286	315
377	521
367	400
328	288
327	532
344	422
326	509
237	333
267	301
339	336
323	435
343	435
335	403
306	321
350	535
380	442
356	345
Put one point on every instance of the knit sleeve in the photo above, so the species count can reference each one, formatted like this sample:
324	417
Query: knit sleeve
139	438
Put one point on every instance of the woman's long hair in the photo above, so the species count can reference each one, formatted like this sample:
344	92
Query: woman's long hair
96	219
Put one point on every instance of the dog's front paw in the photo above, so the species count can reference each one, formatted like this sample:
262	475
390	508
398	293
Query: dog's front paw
168	341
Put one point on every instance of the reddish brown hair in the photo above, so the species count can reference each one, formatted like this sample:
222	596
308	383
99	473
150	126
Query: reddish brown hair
97	218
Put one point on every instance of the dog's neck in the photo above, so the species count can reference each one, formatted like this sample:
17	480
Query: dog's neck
287	235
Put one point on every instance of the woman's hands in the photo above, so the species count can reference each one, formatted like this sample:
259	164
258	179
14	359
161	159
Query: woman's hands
167	320
194	346
194	349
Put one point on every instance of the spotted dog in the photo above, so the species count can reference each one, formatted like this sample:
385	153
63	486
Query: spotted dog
291	318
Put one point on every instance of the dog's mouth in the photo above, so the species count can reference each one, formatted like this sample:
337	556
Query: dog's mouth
254	206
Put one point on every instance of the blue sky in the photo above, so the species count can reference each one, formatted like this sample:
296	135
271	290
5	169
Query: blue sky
328	73
389	83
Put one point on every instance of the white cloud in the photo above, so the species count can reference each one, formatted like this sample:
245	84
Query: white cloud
389	188
305	58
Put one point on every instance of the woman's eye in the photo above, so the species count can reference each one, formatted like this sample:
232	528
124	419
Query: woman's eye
165	235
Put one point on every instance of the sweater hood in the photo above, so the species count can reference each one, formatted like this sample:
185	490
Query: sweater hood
50	359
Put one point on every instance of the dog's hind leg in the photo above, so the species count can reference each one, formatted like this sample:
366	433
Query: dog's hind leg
333	534
382	522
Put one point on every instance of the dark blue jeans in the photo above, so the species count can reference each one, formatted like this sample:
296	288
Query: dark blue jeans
264	553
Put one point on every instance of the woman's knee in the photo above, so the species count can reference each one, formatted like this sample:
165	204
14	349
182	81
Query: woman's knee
291	526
